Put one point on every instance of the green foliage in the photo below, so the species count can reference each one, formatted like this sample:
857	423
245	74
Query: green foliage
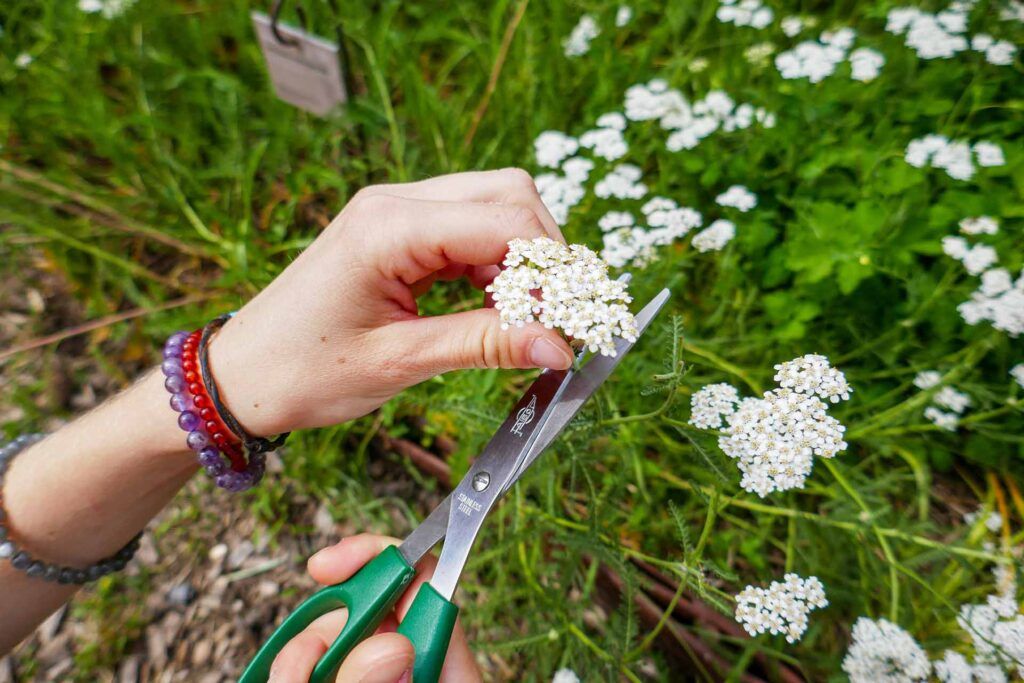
195	179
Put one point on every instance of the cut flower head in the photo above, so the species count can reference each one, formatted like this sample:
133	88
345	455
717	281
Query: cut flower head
576	295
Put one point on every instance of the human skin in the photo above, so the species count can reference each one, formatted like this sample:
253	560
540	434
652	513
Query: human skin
332	338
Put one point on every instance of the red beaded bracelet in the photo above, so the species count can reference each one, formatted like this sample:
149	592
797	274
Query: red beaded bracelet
214	426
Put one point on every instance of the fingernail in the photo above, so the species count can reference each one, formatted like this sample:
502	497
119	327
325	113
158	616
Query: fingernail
406	677
544	354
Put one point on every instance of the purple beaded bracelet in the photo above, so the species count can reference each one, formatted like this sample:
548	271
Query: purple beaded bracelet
211	458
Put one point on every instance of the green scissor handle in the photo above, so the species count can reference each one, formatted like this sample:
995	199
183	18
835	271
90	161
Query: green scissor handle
429	624
369	595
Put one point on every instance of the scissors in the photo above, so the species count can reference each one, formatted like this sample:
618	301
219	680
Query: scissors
543	412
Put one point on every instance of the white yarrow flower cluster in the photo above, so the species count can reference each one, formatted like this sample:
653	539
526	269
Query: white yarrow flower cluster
993	520
629	244
552	146
813	374
997	52
690	123
792	26
782	608
109	8
816	60
866	64
979	225
931	36
565	676
578	42
955	402
23	60
622	182
562	192
715	236
926	379
956	157
882	652
999	299
711	403
775	438
607	141
576	295
751	13
738	197
623	15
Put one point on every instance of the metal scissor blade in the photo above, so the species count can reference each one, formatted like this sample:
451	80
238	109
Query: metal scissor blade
425	536
582	385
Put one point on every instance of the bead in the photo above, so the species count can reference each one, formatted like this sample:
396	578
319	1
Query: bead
51	573
6	550
21	560
79	576
195	389
211	461
171	367
192	378
66	575
36	569
96	571
197	441
181	401
3	534
188	421
220	438
178	337
172	352
188	365
202	401
211	427
207	414
174	383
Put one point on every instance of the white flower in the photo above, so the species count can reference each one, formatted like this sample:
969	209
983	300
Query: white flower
953	668
981	225
623	15
715	236
576	295
996	630
577	169
882	652
842	38
109	8
90	6
1004	310
759	53
711	403
1017	372
989	154
955	247
746	13
948	397
782	608
926	379
559	194
697	65
813	374
613	220
775	439
738	197
810	59
578	42
23	60
995	281
607	143
792	26
993	520
1012	11
565	676
865	64
930	35
612	119
979	258
623	182
942	420
552	146
1000	52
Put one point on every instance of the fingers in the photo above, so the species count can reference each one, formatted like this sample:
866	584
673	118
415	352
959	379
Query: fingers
338	562
296	660
506	186
474	339
409	239
383	658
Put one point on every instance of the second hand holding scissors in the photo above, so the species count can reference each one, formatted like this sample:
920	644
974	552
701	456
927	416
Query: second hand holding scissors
543	412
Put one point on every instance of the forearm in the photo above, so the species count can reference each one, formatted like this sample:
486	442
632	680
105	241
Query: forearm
85	491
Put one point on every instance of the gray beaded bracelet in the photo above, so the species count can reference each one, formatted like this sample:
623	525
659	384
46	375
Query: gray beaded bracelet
23	561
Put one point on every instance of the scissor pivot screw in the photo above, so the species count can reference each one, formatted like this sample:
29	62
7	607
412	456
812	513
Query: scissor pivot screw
481	480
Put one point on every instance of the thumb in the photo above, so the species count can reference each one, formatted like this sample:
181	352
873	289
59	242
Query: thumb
474	339
383	658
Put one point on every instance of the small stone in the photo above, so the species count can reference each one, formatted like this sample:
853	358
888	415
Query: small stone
182	594
218	552
240	553
268	589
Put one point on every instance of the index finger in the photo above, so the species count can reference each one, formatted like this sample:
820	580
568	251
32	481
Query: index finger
340	561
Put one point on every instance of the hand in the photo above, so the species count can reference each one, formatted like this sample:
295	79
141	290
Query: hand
385	657
338	332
